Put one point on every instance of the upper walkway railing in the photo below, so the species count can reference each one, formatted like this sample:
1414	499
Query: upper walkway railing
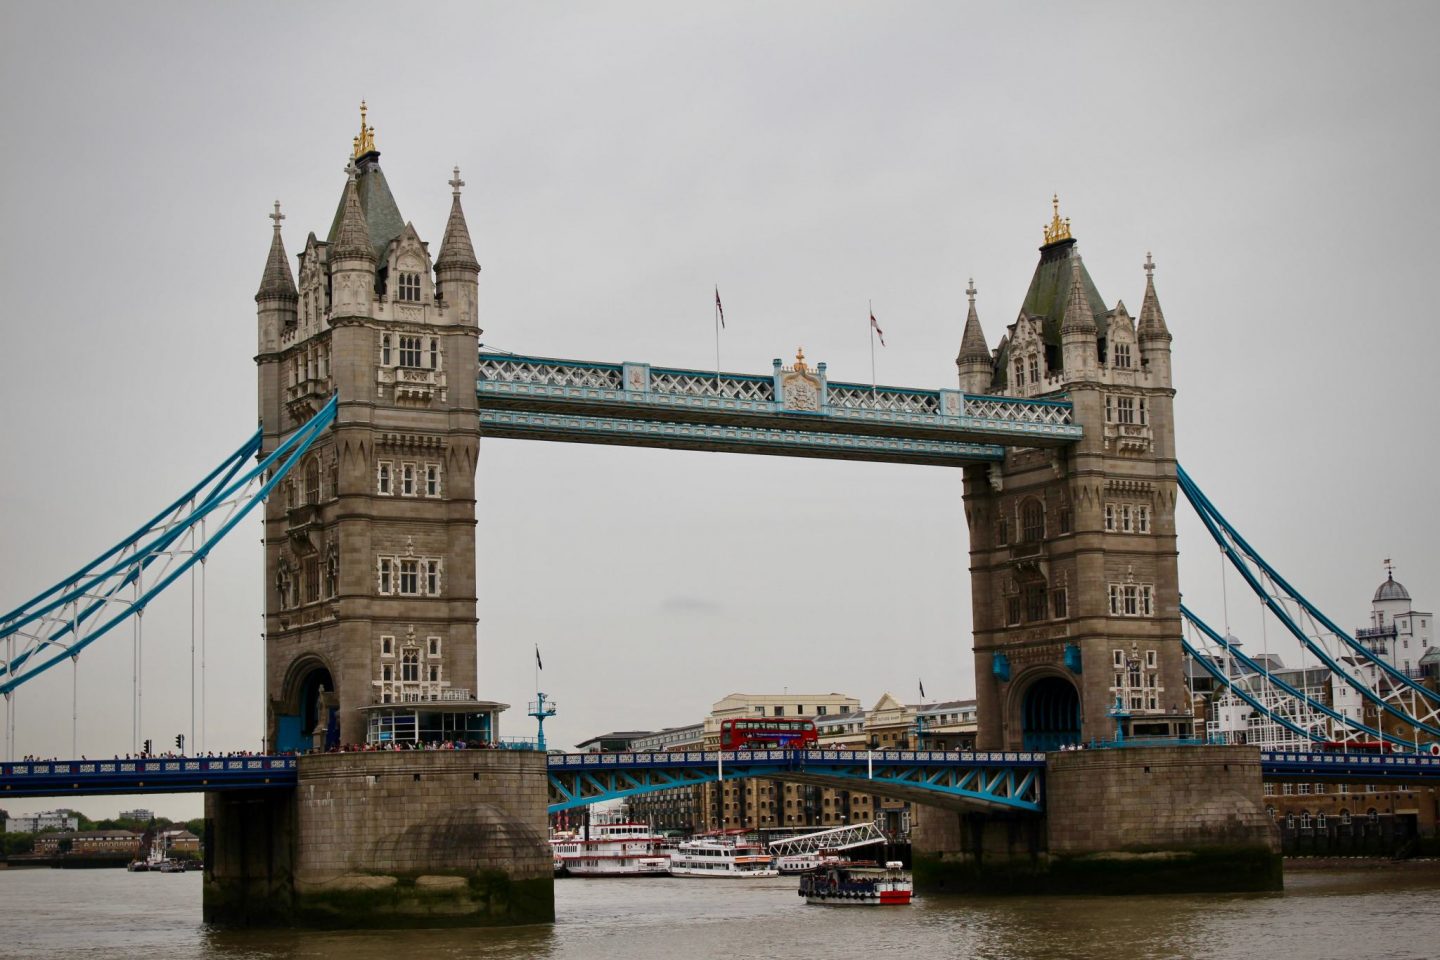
795	410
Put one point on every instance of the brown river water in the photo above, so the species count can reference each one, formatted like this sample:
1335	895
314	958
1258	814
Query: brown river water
1363	912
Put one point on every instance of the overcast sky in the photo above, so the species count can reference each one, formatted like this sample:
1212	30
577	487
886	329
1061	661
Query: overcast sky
621	160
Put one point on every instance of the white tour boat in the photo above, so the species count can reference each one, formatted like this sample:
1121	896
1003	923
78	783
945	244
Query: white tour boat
611	850
710	857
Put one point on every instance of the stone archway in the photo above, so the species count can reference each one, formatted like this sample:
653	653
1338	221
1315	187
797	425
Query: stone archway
1049	714
308	717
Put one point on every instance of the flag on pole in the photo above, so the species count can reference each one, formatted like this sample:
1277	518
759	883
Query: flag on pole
718	308
922	689
878	332
538	664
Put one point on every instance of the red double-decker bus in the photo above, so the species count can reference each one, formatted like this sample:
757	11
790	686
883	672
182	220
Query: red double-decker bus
767	733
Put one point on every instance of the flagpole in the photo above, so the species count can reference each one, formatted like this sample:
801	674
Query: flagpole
717	338
872	348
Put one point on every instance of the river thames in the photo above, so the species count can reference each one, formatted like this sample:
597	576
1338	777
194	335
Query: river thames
1390	912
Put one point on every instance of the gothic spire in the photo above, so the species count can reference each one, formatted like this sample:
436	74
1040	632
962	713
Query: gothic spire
972	342
1079	317
277	282
455	249
352	239
1152	319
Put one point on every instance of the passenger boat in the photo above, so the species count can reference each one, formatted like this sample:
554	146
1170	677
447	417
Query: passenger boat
854	885
611	850
718	857
806	862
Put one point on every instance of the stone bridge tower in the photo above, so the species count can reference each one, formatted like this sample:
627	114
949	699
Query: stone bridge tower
1072	553
370	542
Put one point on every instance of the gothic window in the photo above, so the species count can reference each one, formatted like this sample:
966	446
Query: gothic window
434	671
410	287
407	479
1019	373
1064	520
312	482
312	579
334	476
387	671
409	577
1144	417
1142	518
1125	409
1032	521
1114	599
1132	600
1002	531
410	665
385	357
332	571
1034	369
1126	523
1110	514
410	351
1147	598
383	483
387	575
432	645
432	479
1345	817
1109	409
434	354
1122	355
432	578
1012	610
387	646
1035	602
1059	608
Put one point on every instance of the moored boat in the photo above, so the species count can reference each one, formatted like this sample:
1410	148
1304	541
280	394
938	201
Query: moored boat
721	857
611	850
854	885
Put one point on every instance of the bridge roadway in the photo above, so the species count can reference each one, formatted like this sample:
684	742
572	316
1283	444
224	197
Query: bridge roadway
956	779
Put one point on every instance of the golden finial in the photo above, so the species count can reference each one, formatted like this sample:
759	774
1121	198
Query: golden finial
1058	229
365	141
800	359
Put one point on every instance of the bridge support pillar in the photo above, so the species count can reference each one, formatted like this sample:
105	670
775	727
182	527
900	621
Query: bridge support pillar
1144	820
387	840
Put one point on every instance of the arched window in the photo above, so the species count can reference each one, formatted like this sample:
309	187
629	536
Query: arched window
1304	819
1345	817
410	664
1373	814
1270	812
312	482
1032	521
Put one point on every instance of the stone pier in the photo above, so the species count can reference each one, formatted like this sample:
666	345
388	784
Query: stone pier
1121	821
388	839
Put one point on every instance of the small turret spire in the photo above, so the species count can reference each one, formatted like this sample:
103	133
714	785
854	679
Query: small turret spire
974	362
352	240
1079	318
456	251
1152	319
277	282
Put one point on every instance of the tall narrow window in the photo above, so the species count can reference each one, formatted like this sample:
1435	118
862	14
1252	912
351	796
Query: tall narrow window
387	646
383	482
1142	518
387	575
434	354
1019	373
1132	600
407	479
1032	521
1035	602
1012	610
1144	416
1114	599
432	577
1034	369
1147	605
1110	518
409	577
1109	409
385	357
1059	607
312	482
432	479
432	646
1126	522
410	665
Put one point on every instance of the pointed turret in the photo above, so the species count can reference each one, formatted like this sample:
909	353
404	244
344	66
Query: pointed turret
352	235
277	282
456	270
974	362
277	299
1153	334
1078	341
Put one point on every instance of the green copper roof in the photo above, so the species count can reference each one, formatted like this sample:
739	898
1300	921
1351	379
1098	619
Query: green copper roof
1050	290
382	216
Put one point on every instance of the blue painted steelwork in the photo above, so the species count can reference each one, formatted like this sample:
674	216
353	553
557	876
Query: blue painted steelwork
1214	523
99	583
605	395
1259	669
58	778
1279	765
1011	781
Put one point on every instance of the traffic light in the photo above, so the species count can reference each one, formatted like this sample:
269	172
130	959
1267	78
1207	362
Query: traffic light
147	746
180	742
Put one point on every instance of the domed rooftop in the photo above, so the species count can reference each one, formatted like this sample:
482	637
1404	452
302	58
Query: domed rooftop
1390	590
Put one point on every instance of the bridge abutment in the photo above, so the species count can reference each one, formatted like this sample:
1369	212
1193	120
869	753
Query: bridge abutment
1121	821
388	839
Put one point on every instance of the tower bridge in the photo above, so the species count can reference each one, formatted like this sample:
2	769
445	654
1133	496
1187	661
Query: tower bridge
374	394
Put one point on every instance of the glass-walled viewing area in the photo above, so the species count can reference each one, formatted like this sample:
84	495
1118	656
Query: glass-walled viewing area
432	723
